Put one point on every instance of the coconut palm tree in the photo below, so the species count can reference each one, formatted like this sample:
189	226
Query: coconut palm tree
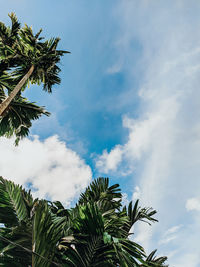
98	230
17	117
92	234
24	58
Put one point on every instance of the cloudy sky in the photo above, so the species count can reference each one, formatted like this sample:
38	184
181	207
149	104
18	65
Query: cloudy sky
128	108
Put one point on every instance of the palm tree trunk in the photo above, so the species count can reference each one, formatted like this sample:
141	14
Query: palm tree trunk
4	105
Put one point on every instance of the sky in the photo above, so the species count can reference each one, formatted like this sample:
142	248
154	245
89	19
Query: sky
127	108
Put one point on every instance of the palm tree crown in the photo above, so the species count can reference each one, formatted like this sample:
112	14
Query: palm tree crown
24	58
95	233
20	49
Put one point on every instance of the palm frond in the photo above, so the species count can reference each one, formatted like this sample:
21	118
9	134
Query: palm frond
153	261
107	197
135	213
45	235
17	119
15	24
12	205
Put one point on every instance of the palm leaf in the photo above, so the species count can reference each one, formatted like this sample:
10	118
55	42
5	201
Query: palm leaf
107	197
17	119
153	261
135	213
12	205
45	235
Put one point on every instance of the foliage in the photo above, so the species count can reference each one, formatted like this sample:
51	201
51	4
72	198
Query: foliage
93	233
20	50
18	116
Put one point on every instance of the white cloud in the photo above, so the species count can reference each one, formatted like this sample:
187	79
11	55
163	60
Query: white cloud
172	230
193	204
109	161
170	234
53	170
143	232
143	136
168	239
114	69
164	141
136	193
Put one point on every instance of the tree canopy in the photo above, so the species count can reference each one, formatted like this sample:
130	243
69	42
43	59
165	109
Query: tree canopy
25	58
95	232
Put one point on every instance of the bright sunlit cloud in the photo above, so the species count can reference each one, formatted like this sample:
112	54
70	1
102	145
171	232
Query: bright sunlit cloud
193	204
51	169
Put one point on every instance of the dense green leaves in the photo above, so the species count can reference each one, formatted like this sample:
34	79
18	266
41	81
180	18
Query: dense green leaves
105	196
15	204
92	234
18	117
20	48
12	204
24	55
45	235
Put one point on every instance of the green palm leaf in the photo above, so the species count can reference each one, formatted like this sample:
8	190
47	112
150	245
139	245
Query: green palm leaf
12	205
107	197
135	214
45	235
17	119
153	261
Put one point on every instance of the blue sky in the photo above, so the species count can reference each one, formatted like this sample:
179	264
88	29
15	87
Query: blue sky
127	108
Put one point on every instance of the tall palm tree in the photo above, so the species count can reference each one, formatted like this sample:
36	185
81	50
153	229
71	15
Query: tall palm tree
93	233
98	230
24	57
